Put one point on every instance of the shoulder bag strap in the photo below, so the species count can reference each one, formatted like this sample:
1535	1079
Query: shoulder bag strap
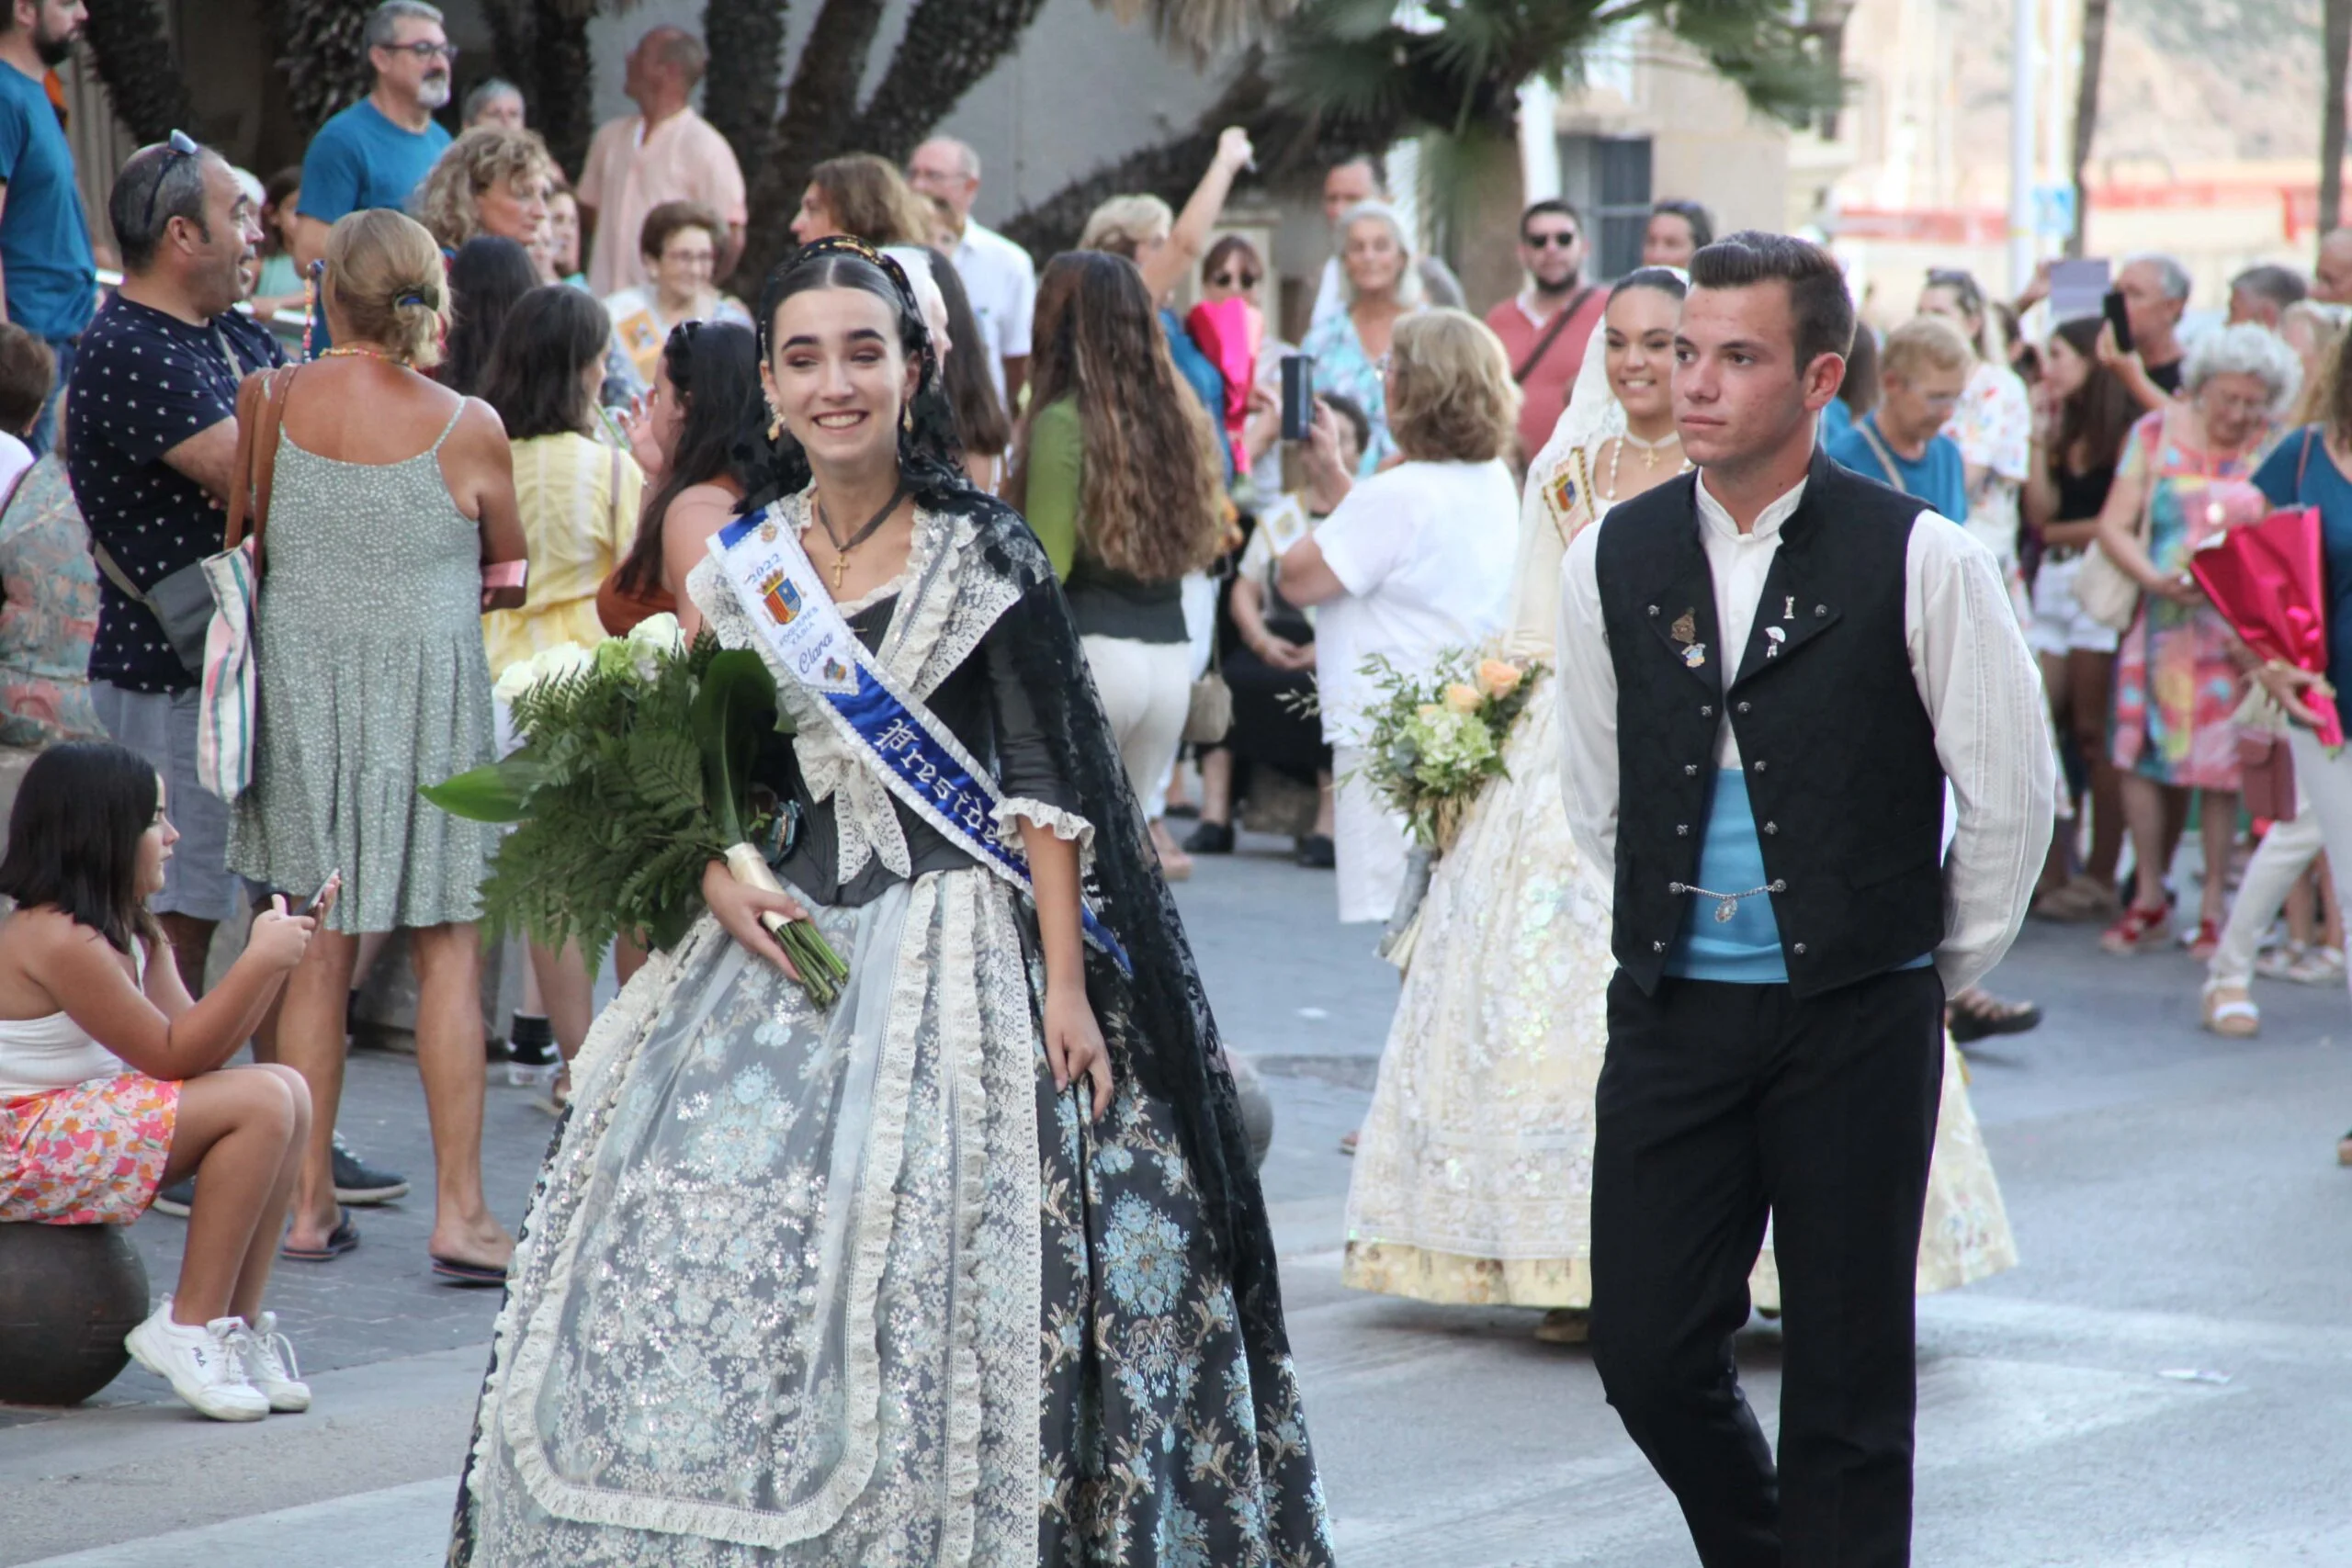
2148	490
261	414
1878	449
613	501
1558	324
2303	458
114	573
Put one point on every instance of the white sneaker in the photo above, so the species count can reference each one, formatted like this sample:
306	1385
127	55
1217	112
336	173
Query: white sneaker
201	1364
267	1358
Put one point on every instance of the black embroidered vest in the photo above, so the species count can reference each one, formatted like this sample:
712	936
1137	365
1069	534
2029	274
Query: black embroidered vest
1837	750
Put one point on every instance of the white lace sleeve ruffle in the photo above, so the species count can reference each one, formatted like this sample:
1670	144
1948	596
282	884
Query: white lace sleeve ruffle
1066	826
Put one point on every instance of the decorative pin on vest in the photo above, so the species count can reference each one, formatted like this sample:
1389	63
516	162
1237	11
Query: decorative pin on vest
1685	631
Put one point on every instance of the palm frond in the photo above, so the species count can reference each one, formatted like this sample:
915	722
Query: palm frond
1204	27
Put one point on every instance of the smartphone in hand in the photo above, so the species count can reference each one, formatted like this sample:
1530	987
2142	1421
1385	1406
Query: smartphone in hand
2118	319
318	900
1298	396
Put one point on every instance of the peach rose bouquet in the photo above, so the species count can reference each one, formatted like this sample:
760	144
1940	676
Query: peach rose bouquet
1436	740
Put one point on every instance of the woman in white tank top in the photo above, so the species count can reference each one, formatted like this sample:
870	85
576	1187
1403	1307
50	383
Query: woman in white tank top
112	1082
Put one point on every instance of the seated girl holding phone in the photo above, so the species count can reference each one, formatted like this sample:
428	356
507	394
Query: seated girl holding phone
113	1083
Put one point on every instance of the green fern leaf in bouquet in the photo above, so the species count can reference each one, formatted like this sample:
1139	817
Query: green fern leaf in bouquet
633	776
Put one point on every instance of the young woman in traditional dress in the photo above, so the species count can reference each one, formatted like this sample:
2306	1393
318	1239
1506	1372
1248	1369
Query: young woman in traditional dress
1472	1181
972	1266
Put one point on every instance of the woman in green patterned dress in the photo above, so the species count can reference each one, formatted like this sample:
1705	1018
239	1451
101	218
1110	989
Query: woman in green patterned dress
390	497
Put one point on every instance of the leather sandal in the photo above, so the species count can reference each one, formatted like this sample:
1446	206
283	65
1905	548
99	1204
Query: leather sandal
2231	1013
2140	926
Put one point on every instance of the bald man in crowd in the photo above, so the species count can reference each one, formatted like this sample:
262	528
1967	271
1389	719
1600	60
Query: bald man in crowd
995	273
2331	277
665	152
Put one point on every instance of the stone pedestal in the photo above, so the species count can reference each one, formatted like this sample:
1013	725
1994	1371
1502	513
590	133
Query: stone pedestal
1257	1106
68	1294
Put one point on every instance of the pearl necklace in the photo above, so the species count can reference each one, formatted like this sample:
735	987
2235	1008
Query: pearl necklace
1649	462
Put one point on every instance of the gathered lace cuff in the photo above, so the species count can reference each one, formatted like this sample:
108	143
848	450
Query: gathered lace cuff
1068	826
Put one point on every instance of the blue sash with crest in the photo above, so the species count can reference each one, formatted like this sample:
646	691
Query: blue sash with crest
918	758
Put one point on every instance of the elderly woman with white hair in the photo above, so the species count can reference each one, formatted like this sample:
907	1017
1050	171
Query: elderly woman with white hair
1382	287
2186	473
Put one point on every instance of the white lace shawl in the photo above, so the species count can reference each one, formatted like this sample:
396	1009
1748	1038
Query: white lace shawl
942	614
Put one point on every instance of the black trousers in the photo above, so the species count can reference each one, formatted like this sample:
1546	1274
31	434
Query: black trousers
1718	1105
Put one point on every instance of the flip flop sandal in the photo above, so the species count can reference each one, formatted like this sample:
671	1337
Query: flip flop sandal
459	1272
340	1240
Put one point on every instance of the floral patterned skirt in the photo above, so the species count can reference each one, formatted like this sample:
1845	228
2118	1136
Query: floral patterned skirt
92	1154
859	1288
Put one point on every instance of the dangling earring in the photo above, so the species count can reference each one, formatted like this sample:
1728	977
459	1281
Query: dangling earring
907	418
775	423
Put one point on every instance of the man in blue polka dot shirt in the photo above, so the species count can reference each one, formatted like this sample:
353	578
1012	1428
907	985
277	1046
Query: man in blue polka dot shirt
150	439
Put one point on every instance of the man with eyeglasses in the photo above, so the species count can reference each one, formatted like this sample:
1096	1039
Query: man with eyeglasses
1546	325
377	152
997	274
48	278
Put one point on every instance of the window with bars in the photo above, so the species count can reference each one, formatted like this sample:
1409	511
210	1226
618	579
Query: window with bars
1608	179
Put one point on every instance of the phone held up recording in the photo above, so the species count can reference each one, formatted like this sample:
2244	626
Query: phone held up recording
2118	319
1298	396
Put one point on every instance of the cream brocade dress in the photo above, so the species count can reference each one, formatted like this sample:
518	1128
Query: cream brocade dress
1473	1181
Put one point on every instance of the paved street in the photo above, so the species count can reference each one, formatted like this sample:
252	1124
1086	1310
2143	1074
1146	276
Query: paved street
2166	1382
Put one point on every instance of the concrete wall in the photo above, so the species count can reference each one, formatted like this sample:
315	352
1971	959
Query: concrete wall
1706	144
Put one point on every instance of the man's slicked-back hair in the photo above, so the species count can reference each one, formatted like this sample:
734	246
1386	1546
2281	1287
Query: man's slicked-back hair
1820	311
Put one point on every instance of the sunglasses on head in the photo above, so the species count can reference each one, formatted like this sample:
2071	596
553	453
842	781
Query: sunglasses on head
1550	241
181	145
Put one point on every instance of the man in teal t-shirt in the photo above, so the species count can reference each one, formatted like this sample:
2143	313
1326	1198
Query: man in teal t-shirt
377	152
47	276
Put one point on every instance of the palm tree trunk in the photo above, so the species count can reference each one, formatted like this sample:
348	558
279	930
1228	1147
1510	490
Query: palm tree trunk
134	59
562	79
323	56
745	39
2337	30
2087	114
948	46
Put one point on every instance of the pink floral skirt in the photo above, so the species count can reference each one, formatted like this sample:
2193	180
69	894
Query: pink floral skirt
92	1154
